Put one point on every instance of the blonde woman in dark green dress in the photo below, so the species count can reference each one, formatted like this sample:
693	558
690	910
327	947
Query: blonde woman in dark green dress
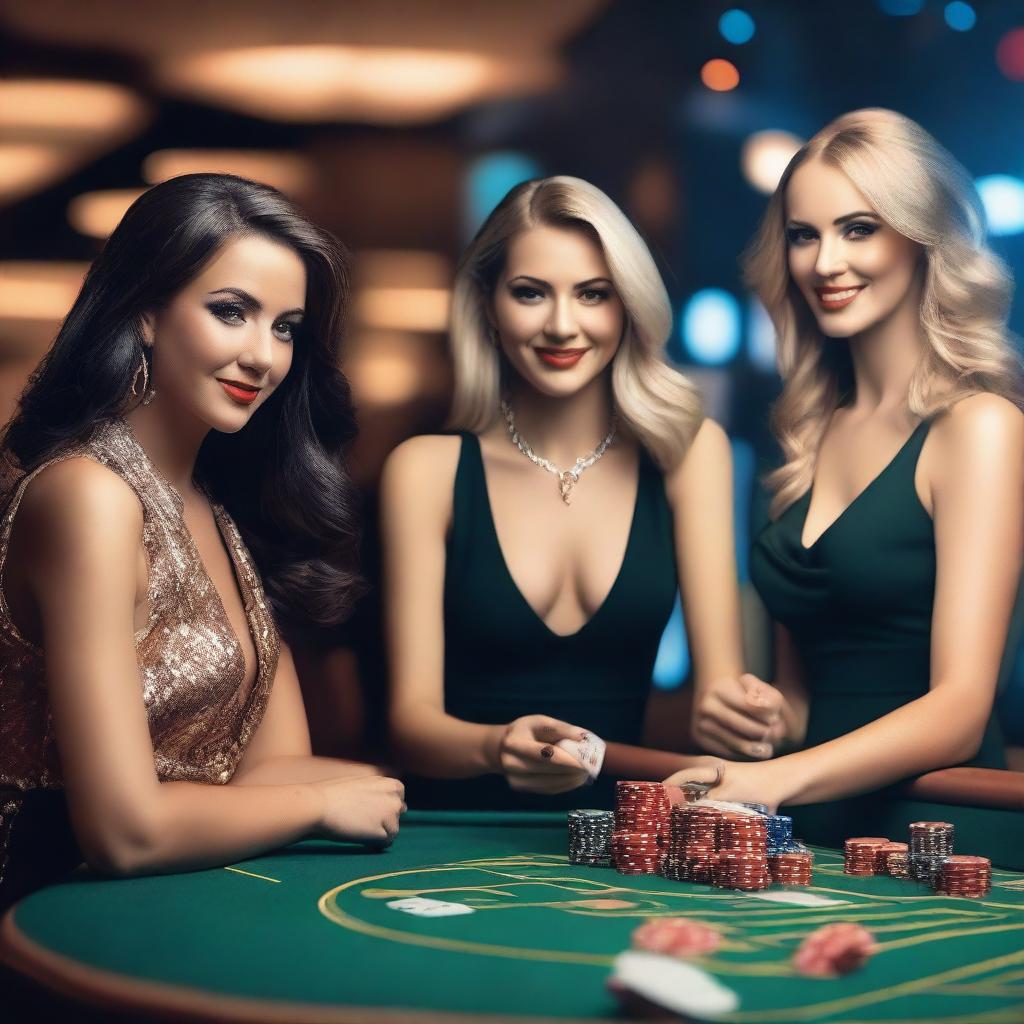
523	607
894	552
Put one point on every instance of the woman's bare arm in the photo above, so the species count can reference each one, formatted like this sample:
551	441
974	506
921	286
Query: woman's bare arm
82	527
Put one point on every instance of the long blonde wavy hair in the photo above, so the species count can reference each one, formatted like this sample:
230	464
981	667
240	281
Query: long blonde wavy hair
920	190
655	402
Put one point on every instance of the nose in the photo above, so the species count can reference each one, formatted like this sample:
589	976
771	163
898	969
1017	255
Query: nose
831	260
562	324
258	354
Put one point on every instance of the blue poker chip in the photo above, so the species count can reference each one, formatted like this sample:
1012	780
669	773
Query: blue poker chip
780	833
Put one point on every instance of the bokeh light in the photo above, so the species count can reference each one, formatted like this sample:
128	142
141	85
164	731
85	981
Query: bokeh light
1010	55
736	26
673	661
711	326
901	8
720	75
760	337
764	157
960	17
1003	198
488	179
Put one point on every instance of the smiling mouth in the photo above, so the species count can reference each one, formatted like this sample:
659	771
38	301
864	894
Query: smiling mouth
243	394
832	299
561	358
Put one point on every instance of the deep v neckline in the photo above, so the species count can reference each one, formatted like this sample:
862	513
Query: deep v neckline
520	596
219	516
857	498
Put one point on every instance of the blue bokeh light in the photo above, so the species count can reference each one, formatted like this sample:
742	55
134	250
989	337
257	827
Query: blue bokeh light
672	665
711	326
1003	198
901	8
960	16
489	178
760	337
736	26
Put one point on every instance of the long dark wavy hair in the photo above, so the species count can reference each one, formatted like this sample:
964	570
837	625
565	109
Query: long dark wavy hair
282	477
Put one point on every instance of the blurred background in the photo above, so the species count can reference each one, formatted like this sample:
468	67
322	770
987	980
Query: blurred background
399	124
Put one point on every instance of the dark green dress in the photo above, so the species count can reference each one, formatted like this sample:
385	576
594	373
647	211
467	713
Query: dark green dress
858	603
502	661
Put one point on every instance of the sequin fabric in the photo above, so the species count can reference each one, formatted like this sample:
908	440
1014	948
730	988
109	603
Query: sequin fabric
192	670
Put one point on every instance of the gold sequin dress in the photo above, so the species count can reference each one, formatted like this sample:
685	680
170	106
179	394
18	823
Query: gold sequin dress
191	670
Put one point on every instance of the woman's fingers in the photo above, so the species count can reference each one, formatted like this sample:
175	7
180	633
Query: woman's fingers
734	722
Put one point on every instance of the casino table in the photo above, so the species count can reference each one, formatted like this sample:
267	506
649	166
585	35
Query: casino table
321	931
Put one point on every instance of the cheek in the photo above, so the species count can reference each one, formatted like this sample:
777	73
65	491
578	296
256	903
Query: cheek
801	262
283	359
518	322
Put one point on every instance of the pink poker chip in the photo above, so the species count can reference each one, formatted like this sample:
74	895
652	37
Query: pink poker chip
834	949
676	936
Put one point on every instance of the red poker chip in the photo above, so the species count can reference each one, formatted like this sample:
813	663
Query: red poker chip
834	949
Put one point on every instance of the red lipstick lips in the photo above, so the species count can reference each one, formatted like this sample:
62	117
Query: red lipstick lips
243	394
561	358
832	297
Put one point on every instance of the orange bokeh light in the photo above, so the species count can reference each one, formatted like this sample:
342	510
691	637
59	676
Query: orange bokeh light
720	75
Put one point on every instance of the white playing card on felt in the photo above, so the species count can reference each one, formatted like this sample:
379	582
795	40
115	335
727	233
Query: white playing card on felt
420	906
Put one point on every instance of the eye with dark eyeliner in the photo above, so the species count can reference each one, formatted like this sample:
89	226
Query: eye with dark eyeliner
290	326
795	235
526	293
229	312
860	229
593	296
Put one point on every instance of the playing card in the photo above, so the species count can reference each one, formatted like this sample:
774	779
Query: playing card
420	906
589	752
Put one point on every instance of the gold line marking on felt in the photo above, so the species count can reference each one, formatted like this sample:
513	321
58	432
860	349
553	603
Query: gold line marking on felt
252	874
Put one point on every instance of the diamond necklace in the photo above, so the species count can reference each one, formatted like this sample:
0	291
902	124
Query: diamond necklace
567	479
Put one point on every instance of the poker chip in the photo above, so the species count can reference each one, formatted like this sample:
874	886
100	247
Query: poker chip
641	827
791	868
931	842
897	864
962	875
882	856
834	949
756	808
676	936
746	870
590	837
860	854
780	832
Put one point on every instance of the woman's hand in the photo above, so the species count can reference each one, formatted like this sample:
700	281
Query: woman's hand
529	759
361	810
742	718
739	782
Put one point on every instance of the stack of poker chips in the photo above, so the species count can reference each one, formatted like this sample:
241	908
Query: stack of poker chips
931	842
882	855
780	833
590	838
641	826
742	853
959	875
692	848
791	867
860	854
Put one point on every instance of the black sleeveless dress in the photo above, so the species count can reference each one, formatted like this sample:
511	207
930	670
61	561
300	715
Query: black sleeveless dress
502	661
858	604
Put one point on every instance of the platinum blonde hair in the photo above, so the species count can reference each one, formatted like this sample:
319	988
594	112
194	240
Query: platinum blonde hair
921	191
657	404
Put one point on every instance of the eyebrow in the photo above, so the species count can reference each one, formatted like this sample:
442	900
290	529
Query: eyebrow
249	302
544	284
841	220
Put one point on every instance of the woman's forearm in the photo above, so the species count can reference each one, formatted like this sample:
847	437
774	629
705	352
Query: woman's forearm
623	761
195	825
933	731
279	771
432	743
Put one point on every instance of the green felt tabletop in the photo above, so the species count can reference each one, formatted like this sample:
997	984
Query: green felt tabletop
311	925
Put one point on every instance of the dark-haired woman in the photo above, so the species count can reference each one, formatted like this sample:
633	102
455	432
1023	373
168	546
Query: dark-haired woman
189	413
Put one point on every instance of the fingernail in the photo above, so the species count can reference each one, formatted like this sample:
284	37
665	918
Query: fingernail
547	751
584	736
759	749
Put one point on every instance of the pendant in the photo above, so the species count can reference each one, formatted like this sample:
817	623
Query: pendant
566	482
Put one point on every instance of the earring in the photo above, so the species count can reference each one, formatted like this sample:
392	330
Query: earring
146	394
